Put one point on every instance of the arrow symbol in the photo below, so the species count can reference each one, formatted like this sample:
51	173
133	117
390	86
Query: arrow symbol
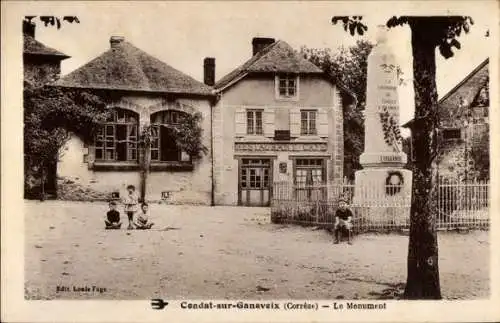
158	304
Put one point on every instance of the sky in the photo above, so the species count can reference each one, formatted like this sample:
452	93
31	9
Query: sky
183	33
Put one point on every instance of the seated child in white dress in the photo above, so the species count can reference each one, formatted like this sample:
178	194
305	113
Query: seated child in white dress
142	218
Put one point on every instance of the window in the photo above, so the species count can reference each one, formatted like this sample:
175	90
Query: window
308	122
116	140
309	171
163	141
287	86
254	122
449	134
309	176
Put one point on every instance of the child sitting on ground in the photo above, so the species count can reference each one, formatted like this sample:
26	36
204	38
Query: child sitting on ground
343	217
112	217
142	219
130	202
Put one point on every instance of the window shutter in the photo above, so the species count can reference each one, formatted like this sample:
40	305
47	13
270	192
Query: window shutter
240	122
295	122
268	121
322	123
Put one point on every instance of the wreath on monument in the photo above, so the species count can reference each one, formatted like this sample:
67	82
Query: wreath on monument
390	127
393	182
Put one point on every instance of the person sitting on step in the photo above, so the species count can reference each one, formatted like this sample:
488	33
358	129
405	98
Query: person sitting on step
142	219
112	217
343	217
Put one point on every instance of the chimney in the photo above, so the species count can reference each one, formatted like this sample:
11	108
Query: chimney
116	41
29	28
209	71
259	43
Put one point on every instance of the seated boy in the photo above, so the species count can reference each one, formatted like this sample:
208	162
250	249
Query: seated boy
343	217
113	217
141	221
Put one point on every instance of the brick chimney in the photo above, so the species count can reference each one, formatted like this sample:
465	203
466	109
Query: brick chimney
116	41
29	28
259	43
209	71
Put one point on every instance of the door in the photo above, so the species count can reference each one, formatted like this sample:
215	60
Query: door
254	184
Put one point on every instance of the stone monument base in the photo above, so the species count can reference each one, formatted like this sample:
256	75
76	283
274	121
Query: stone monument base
382	196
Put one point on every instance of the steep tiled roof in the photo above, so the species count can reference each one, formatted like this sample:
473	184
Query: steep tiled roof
278	57
462	94
34	47
126	67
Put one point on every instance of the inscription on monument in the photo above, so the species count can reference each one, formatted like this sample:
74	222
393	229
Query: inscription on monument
391	159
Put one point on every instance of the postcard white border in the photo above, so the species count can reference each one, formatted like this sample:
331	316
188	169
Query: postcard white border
15	308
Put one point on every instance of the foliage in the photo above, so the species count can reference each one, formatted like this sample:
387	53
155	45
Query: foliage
53	20
390	128
445	28
189	135
50	115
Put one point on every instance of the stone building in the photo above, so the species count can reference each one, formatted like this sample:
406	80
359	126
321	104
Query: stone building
41	64
144	91
278	118
464	118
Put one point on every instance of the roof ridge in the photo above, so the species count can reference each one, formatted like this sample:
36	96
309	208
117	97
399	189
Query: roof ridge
35	47
127	67
264	52
465	79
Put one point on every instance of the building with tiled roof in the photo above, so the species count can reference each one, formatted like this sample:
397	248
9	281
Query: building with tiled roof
144	91
41	64
464	120
279	117
128	68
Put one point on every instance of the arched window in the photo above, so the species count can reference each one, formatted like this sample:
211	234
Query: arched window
163	143
116	140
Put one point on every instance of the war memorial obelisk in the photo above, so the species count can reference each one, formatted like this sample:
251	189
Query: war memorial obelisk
383	181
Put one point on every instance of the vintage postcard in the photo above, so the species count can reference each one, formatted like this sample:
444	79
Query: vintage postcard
250	161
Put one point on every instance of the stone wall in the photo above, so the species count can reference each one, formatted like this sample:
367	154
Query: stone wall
80	179
41	72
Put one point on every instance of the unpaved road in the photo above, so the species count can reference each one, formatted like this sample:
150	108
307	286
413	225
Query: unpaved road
200	252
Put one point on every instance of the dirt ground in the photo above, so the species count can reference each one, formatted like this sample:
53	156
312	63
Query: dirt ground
226	252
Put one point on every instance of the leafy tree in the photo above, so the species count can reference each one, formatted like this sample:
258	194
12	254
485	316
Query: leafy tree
427	34
51	114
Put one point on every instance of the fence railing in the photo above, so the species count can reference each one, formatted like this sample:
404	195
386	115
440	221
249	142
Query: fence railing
463	204
376	207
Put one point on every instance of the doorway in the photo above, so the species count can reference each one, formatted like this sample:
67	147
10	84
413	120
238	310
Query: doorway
254	184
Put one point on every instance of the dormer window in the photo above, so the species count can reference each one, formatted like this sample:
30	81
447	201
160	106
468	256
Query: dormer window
287	86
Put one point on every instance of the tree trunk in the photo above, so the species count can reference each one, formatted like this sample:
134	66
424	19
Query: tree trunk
42	183
423	271
145	164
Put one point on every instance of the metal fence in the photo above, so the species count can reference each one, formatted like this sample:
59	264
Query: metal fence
378	208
